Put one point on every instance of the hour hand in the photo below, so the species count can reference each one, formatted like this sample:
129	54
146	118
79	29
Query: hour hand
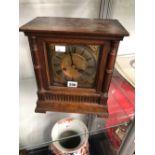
70	54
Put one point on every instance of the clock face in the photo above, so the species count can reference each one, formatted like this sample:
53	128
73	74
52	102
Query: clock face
73	64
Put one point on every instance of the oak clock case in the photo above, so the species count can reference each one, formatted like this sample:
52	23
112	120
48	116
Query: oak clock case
73	61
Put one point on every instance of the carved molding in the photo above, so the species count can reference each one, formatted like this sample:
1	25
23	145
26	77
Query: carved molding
110	65
69	98
36	62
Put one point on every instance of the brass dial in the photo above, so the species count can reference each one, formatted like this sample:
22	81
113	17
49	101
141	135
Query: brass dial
78	63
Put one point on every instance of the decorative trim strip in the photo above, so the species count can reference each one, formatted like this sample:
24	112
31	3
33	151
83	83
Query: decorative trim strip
36	62
109	70
70	98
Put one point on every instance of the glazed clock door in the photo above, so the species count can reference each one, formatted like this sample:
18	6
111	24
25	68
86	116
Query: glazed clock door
72	65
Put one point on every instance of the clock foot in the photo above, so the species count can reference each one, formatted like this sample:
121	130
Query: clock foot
38	110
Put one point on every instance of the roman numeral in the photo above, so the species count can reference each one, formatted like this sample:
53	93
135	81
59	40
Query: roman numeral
59	71
58	57
73	49
56	65
82	52
90	66
87	73
88	58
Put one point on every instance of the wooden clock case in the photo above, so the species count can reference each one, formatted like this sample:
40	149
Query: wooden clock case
105	33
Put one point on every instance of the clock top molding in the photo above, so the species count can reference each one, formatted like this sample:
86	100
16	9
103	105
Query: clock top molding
81	26
73	61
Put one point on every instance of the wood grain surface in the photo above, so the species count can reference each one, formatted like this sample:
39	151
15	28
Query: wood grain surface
76	25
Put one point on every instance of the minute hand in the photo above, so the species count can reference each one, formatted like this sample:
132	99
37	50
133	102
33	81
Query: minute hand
71	58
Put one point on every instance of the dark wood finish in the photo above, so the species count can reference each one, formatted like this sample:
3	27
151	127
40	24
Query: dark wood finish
36	61
102	65
109	70
23	152
75	25
106	33
71	107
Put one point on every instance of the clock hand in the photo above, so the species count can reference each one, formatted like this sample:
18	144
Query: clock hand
71	57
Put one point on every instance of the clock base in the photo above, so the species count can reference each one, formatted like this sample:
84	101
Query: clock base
70	107
38	110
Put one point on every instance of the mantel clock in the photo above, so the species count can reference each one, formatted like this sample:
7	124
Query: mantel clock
73	60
